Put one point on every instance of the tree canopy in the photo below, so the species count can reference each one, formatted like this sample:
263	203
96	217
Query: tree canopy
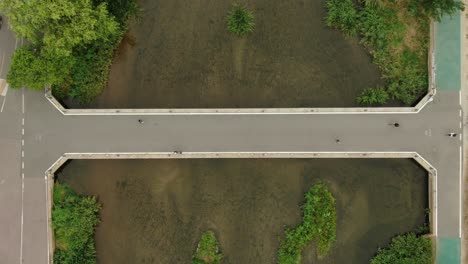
55	29
59	25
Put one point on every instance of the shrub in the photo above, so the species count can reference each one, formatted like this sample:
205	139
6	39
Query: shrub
373	96
240	20
207	251
74	219
318	223
404	249
342	15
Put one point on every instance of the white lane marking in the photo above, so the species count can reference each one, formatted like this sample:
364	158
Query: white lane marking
22	121
22	142
22	95
22	216
47	222
22	131
22	153
3	104
460	194
22	165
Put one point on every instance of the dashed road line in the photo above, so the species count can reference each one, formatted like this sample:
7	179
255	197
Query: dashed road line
22	96
22	217
22	178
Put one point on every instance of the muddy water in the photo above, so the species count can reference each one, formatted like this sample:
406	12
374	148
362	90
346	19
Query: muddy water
154	211
180	55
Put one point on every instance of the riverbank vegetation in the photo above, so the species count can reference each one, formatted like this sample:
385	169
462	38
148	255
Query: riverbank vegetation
207	251
74	219
407	248
396	33
71	44
318	224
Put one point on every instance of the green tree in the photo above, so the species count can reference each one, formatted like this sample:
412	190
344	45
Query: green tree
34	70
240	20
373	96
405	249
59	25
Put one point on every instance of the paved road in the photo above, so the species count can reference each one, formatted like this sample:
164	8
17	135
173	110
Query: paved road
48	135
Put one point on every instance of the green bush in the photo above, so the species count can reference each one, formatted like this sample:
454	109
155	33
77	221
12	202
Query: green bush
373	96
318	224
240	20
406	249
207	251
342	15
74	219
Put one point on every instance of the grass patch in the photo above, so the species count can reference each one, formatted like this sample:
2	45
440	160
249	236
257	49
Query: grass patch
240	21
207	251
318	224
407	248
74	219
396	33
